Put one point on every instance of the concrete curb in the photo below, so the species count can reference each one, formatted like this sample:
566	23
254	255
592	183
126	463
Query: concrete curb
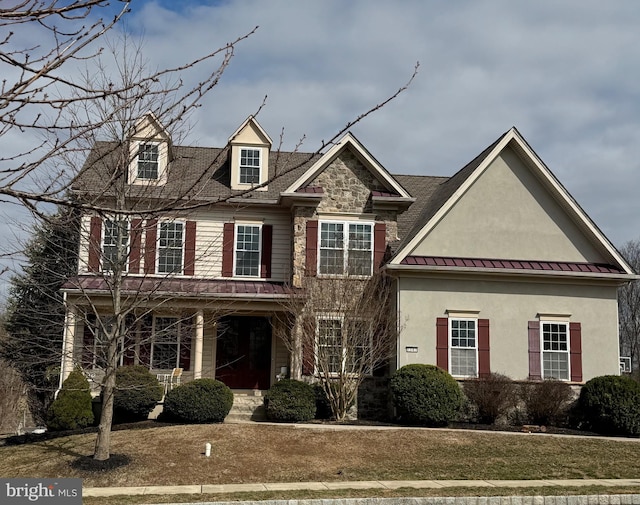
625	499
395	484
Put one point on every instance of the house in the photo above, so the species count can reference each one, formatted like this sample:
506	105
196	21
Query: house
495	269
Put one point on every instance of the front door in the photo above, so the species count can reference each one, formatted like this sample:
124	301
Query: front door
243	352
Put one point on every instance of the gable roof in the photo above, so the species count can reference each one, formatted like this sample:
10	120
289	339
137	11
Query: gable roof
251	120
348	141
449	192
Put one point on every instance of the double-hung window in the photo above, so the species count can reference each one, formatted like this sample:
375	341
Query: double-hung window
555	350
148	162
165	351
115	245
247	250
249	166
340	347
463	347
170	247
346	248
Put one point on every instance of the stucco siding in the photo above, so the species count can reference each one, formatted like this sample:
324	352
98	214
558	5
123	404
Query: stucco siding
509	306
508	213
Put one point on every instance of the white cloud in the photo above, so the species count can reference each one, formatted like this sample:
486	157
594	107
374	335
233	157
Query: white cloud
565	73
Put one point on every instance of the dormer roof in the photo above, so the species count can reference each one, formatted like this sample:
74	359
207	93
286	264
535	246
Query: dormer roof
262	138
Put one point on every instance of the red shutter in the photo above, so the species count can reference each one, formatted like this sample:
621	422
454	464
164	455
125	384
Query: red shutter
95	239
227	249
311	264
267	241
185	345
308	346
484	365
136	240
379	245
150	246
535	372
442	343
190	248
575	351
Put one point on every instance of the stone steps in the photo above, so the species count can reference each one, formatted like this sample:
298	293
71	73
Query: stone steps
247	406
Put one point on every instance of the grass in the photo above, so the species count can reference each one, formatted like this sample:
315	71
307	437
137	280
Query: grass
249	453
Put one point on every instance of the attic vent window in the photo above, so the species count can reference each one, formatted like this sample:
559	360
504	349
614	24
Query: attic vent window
148	162
250	166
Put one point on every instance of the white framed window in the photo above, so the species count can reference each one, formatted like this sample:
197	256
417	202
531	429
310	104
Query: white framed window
336	352
95	350
345	248
555	350
170	247
148	161
249	166
115	244
165	351
463	347
247	250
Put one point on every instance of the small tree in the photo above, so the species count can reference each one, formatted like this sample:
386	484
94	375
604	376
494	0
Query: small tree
72	408
345	330
629	308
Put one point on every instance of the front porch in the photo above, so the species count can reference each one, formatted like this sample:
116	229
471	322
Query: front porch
242	350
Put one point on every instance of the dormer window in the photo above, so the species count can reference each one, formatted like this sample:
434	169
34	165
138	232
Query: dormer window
249	166
148	161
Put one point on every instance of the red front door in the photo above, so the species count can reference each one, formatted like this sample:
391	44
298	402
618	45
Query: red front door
243	352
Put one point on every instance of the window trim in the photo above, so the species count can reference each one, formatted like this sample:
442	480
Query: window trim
158	238
241	166
341	318
157	161
235	249
450	346
345	246
163	154
179	343
103	235
567	353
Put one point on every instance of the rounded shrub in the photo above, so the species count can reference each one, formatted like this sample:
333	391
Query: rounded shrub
199	401
137	393
610	404
425	395
290	401
493	396
548	402
71	410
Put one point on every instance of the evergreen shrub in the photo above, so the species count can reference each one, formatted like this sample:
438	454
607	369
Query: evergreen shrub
610	404
290	401
137	393
199	401
425	395
71	410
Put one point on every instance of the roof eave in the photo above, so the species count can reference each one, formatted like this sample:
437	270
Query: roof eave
621	277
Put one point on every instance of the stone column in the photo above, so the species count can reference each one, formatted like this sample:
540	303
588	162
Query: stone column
68	342
197	367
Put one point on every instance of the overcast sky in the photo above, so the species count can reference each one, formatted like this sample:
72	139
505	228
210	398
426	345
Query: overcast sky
565	73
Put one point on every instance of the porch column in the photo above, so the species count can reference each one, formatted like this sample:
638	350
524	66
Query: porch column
68	341
197	367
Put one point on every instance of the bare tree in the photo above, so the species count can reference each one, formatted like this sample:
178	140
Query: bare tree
89	121
345	330
629	307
